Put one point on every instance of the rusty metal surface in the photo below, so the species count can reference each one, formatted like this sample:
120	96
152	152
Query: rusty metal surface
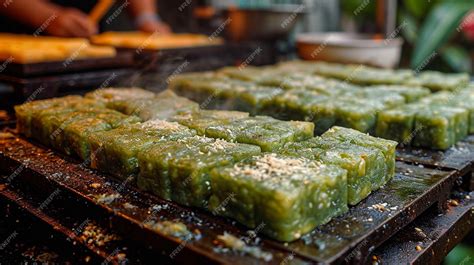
25	240
348	238
429	238
82	235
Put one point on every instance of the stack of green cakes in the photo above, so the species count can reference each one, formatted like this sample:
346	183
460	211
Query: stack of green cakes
382	102
325	102
438	121
253	169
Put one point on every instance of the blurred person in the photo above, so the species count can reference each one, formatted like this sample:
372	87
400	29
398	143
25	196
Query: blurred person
67	18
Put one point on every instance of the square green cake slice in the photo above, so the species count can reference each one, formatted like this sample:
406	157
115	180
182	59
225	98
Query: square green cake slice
268	133
355	114
163	106
26	111
397	124
387	147
460	99
440	127
410	93
249	97
300	104
179	170
115	98
78	133
203	119
48	126
290	195
365	165
115	151
437	81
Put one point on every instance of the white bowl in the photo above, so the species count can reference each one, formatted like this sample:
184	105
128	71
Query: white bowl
350	48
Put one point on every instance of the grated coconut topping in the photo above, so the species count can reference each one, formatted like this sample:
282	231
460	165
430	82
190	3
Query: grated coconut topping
123	93
162	125
271	168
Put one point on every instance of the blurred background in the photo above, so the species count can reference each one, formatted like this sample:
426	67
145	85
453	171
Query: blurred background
444	27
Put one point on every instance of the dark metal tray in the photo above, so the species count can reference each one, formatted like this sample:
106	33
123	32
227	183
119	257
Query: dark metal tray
48	86
122	59
458	157
348	238
429	238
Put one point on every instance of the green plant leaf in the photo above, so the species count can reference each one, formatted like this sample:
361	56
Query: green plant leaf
417	8
457	58
408	26
358	9
440	24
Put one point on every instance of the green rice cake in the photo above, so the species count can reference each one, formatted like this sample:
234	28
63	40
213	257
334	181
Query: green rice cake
249	73
290	195
308	82
179	170
77	134
164	106
375	165
365	166
463	99
356	115
440	127
268	133
363	75
115	151
437	81
307	106
26	111
410	93
115	98
386	99
387	147
203	119
249	98
397	124
48	127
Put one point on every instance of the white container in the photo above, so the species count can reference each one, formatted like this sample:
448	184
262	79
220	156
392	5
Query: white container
341	47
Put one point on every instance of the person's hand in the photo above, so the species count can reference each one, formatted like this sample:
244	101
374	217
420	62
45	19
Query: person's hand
155	26
71	22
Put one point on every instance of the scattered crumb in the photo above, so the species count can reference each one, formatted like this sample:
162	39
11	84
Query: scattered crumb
129	206
420	232
375	260
197	231
453	202
121	256
228	242
107	198
95	235
231	241
174	229
95	185
418	248
382	207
